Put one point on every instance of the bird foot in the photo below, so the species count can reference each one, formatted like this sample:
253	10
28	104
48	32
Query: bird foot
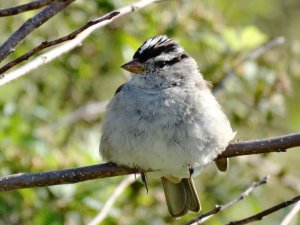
191	170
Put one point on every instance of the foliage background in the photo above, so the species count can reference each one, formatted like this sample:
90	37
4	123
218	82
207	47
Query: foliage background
261	98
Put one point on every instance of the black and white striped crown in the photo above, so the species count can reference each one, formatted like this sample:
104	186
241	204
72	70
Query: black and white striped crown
155	46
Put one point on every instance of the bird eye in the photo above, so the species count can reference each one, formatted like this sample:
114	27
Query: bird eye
161	64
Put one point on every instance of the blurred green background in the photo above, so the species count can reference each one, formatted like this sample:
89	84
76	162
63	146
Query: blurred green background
260	96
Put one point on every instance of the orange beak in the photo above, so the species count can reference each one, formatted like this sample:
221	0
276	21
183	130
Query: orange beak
134	66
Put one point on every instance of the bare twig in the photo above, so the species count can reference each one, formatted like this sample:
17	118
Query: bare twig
289	217
16	38
67	46
266	212
109	203
47	44
218	208
25	7
27	180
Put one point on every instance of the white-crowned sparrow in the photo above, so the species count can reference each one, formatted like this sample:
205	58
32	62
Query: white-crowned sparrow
166	119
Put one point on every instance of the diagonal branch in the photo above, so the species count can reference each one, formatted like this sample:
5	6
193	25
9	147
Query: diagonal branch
68	46
25	7
112	199
266	212
47	44
67	176
16	38
219	208
291	215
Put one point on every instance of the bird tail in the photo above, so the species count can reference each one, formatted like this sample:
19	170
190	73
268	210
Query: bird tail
181	197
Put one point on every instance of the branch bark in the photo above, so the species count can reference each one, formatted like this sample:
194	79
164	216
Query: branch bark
47	44
69	45
25	7
291	215
16	38
278	144
219	208
266	212
67	176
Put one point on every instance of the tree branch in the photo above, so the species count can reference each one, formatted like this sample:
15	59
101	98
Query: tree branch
278	144
16	38
293	213
67	176
218	208
266	212
113	197
47	44
25	7
67	46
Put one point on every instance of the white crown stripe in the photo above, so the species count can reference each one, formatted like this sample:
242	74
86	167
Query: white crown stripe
152	42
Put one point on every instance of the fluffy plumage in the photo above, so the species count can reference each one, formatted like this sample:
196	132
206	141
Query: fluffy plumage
166	119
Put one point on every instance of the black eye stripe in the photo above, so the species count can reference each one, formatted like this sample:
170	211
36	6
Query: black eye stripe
162	63
184	56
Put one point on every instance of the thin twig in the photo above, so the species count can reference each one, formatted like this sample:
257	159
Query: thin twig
25	7
218	208
266	212
289	217
47	44
109	203
67	46
16	38
67	176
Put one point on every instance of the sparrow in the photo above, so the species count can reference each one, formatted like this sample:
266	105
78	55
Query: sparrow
165	119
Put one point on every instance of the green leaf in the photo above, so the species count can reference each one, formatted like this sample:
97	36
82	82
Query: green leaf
243	39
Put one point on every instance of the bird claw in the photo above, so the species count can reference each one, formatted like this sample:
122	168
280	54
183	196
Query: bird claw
191	170
144	180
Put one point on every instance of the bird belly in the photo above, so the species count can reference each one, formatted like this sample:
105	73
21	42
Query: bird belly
161	144
153	134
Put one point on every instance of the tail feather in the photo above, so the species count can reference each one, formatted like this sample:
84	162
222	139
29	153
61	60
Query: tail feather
193	199
181	197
